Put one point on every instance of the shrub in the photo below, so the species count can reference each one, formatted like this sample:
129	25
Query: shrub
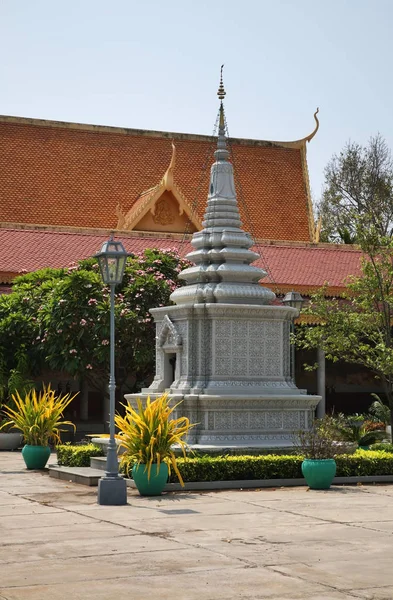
232	468
384	447
363	463
77	456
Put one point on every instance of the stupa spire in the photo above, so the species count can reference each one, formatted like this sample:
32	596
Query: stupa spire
222	255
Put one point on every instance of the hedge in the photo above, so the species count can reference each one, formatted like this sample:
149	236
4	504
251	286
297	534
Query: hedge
77	456
232	468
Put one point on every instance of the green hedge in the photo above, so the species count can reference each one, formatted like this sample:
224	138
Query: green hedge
232	468
77	456
364	462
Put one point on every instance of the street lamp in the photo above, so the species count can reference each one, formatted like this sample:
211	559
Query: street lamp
295	300
112	489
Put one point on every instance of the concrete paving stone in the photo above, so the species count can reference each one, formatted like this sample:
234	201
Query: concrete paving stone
355	509
279	545
126	543
71	494
39	535
205	521
169	513
7	499
159	556
375	593
31	508
380	526
210	584
42	521
352	573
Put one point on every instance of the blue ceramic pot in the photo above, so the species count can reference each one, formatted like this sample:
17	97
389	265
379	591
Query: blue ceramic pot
319	474
35	457
156	483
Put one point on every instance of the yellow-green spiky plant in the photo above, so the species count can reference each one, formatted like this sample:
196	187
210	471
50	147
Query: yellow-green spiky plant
148	434
38	415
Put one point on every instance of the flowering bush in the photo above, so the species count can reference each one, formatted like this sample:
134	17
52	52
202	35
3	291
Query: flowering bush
59	318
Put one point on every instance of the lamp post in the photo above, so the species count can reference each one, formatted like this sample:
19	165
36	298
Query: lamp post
112	488
295	300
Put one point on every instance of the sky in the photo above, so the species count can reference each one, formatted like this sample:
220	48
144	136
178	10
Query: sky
155	64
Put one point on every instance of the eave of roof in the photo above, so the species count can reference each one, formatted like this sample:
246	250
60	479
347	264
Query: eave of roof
297	266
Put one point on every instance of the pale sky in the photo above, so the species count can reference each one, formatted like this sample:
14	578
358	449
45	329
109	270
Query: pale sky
154	64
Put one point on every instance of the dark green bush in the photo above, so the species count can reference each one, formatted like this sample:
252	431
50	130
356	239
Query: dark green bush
384	447
77	456
364	462
232	468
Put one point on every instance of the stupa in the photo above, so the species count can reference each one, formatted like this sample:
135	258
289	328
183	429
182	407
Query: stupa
223	349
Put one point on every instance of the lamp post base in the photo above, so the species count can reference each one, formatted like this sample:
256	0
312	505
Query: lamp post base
112	491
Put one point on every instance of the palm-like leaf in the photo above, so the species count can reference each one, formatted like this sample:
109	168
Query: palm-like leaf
38	415
148	434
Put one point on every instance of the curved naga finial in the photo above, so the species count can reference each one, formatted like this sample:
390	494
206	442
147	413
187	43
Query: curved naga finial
310	137
167	180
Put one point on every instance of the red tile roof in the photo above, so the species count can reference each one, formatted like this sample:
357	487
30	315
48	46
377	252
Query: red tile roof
71	175
302	267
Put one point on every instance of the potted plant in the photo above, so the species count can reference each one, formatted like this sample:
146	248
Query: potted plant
38	416
319	445
147	436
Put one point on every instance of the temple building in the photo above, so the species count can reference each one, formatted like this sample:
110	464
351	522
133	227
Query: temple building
65	186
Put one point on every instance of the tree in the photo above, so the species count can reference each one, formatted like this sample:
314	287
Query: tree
59	318
358	327
358	185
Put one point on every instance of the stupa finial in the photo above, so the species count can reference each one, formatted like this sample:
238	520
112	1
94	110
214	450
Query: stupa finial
221	91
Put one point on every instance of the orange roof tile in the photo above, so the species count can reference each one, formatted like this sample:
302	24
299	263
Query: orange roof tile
304	267
74	175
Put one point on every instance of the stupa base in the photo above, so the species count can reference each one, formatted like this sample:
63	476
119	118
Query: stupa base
240	421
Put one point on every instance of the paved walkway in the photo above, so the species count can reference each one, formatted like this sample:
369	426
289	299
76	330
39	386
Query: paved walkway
56	543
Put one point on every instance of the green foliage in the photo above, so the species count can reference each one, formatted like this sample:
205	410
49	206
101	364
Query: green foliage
383	447
38	416
379	410
77	456
354	428
241	468
59	319
364	463
357	328
148	434
321	440
358	185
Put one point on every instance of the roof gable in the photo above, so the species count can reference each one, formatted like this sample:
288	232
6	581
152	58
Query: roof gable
169	209
71	175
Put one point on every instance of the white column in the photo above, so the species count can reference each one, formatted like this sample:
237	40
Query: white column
321	383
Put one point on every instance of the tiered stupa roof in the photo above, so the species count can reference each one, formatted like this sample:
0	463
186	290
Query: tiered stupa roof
222	255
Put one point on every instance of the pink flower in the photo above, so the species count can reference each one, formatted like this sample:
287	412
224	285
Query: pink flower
89	366
73	351
92	302
59	331
105	342
83	322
